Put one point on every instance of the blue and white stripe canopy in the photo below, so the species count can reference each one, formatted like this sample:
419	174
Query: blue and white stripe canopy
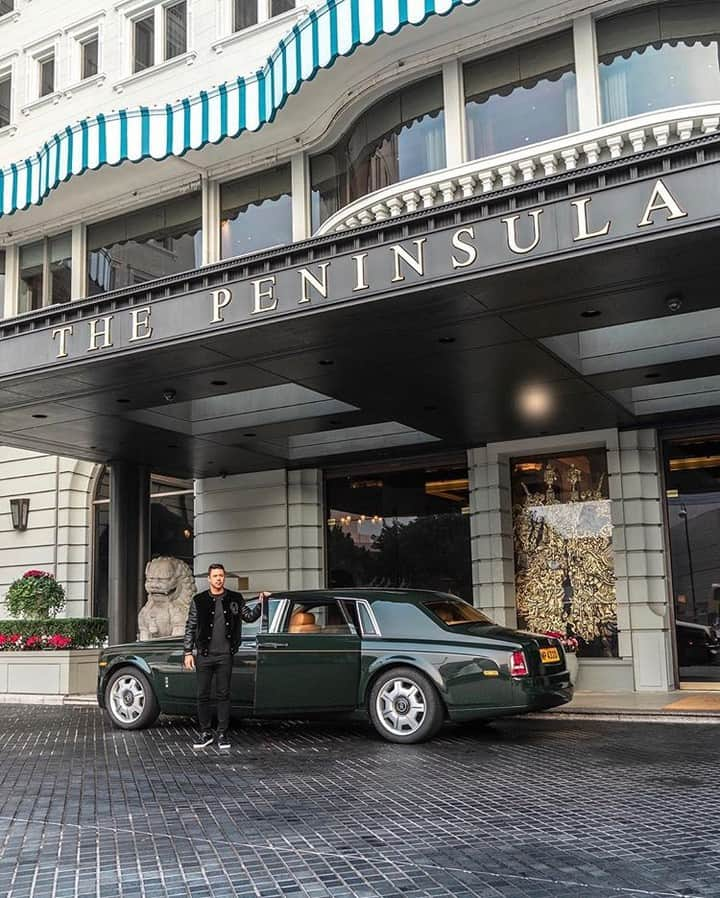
336	28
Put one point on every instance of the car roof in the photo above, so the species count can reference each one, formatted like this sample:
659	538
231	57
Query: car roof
401	596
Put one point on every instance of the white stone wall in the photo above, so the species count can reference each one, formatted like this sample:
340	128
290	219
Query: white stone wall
265	526
58	535
641	568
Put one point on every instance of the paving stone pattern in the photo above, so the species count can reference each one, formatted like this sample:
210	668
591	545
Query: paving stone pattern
541	808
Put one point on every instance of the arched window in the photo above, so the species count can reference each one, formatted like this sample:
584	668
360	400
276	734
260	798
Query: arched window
399	137
659	57
171	528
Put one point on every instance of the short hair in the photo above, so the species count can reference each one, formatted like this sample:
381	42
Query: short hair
216	567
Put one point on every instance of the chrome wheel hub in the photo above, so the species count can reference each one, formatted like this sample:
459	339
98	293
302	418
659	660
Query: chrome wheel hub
126	699
401	706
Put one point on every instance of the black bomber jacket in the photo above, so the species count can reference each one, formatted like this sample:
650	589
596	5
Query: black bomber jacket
201	618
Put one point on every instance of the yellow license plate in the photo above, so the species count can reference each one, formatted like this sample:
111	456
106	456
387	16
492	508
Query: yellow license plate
549	656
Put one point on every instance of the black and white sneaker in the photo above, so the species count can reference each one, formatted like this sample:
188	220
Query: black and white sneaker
205	739
223	740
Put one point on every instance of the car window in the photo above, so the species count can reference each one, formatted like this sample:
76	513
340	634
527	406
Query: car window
254	628
452	611
322	618
368	625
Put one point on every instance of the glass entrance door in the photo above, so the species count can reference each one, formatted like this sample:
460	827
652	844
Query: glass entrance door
693	497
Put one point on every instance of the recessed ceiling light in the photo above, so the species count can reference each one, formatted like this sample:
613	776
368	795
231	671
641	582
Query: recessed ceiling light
430	408
250	434
590	313
173	446
326	362
122	401
39	416
652	375
446	339
219	383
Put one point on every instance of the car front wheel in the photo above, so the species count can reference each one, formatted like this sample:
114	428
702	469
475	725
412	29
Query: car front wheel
404	706
130	702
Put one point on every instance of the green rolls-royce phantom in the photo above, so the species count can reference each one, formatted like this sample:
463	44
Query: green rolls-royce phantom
407	659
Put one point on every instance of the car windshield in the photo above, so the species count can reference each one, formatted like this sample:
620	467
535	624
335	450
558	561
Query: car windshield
455	611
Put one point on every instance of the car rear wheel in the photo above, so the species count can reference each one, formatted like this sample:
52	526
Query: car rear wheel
130	702
404	706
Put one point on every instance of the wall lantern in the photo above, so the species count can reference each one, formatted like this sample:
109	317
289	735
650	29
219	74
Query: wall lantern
19	509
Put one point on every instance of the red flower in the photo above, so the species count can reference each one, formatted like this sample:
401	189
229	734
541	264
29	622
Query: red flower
58	641
14	638
37	573
33	642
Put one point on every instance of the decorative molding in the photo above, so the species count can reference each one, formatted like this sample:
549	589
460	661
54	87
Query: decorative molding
94	81
526	164
334	29
235	37
187	58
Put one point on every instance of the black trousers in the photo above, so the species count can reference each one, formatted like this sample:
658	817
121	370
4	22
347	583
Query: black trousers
220	668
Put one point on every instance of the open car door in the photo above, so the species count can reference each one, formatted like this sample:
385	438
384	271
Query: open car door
311	663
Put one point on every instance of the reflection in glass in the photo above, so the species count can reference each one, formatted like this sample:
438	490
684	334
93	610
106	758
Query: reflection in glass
245	14
399	137
256	212
89	58
658	57
672	74
693	512
155	242
404	528
564	563
45	272
5	100
521	96
175	29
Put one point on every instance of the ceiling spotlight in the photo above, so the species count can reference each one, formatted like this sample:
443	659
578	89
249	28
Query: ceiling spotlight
590	313
169	395
674	302
326	362
218	383
122	401
534	401
652	375
39	416
250	435
446	339
430	408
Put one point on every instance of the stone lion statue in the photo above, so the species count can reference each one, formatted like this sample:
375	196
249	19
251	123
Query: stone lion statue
170	586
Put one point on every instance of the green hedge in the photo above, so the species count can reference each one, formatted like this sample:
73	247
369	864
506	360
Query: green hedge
85	632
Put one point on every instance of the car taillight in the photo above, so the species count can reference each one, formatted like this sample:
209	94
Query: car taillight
518	665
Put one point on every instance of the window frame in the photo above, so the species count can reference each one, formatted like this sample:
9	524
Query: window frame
166	7
7	74
46	241
157	11
89	38
41	60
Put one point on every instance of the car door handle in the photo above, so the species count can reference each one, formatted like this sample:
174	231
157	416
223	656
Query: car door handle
274	645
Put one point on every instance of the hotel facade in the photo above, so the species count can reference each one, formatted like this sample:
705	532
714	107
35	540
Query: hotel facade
370	293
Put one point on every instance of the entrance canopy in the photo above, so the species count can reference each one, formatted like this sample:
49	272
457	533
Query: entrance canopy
576	302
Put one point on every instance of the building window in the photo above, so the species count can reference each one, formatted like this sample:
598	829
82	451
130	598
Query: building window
150	243
175	30
245	14
564	564
144	42
45	272
171	528
6	6
277	7
402	527
256	212
521	96
659	57
399	137
47	75
5	99
89	52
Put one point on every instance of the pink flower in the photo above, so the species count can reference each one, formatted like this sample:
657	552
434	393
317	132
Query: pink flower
33	642
37	573
58	641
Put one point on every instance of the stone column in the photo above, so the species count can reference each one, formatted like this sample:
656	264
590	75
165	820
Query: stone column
640	562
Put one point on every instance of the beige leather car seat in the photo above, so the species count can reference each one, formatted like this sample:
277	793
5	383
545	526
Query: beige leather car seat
303	622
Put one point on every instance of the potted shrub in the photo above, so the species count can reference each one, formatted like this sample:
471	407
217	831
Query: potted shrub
41	653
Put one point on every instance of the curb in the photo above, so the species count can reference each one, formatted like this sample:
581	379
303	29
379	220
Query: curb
630	716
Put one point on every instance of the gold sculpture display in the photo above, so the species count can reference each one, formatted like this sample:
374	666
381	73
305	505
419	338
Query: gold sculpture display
564	566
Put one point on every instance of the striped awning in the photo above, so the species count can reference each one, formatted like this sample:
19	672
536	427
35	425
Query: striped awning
334	29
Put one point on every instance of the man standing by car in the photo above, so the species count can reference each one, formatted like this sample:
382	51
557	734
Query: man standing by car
214	630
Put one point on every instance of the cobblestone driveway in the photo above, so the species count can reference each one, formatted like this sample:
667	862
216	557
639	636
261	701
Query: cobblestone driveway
538	808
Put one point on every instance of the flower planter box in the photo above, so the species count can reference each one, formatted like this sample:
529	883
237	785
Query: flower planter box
48	674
